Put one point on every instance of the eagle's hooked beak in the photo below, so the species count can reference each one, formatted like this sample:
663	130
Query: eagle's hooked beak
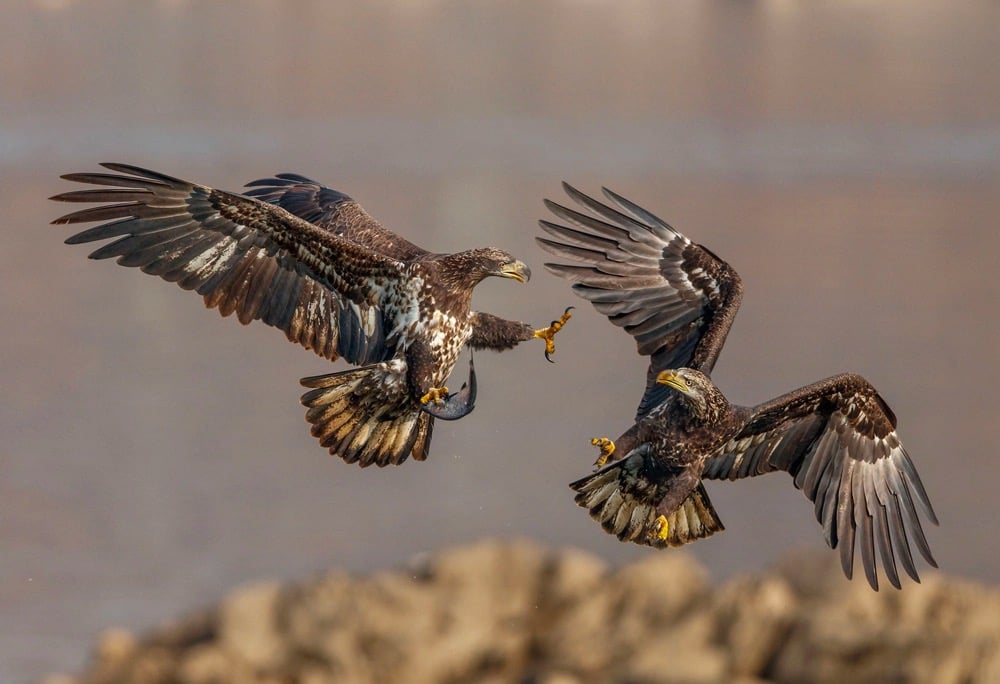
518	270
672	379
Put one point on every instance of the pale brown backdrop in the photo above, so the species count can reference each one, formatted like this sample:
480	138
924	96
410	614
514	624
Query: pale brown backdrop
843	156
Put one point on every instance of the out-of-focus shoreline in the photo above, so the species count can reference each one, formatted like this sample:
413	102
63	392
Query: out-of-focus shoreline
514	611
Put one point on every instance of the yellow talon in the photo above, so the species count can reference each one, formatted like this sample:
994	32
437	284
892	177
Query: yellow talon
607	448
660	529
435	394
548	334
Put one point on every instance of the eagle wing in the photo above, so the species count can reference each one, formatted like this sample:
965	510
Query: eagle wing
246	256
332	210
837	438
676	298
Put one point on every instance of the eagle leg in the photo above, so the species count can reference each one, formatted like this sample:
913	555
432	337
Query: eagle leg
438	395
548	334
659	529
607	448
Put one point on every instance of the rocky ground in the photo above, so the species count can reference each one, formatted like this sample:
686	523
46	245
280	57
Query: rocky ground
517	612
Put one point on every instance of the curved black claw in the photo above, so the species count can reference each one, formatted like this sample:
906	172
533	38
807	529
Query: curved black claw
457	404
550	333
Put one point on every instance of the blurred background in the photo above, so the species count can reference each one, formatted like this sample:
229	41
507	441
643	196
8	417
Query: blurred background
843	156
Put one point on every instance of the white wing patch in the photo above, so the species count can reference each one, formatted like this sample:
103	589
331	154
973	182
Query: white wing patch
207	261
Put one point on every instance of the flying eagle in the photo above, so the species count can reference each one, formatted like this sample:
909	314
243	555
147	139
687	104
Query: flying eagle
312	262
837	437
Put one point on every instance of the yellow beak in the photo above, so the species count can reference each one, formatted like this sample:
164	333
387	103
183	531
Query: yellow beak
672	379
518	270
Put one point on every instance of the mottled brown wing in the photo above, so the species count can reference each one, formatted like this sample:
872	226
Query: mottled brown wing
837	438
332	210
675	297
244	256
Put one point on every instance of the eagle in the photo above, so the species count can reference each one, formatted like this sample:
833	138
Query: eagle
836	437
310	261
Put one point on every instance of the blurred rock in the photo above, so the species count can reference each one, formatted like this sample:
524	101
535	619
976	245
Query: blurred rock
754	616
248	627
515	612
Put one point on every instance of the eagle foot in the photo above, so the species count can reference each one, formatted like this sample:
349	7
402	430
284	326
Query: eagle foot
660	529
607	448
548	334
436	395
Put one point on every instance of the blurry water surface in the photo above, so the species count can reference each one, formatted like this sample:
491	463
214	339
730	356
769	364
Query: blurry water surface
843	156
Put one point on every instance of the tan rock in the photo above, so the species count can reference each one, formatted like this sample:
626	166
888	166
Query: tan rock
115	645
754	615
514	611
248	627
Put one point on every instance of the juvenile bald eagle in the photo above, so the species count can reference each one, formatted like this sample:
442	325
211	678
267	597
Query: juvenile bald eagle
836	437
311	261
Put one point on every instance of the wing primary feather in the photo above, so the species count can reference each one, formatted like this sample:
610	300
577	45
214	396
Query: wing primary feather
142	173
664	230
899	538
913	478
829	490
571	251
866	540
915	528
585	221
607	212
111	179
146	248
102	213
846	527
114	195
882	540
579	237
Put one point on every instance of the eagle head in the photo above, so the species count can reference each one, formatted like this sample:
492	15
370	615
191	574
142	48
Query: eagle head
475	264
702	398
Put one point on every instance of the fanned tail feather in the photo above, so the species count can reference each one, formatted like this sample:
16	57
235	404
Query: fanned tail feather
695	519
619	511
352	416
626	505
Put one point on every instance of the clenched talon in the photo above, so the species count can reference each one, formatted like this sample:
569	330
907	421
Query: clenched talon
435	394
607	448
548	334
659	530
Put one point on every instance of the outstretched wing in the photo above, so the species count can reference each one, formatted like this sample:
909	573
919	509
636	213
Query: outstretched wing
675	297
331	210
837	438
244	256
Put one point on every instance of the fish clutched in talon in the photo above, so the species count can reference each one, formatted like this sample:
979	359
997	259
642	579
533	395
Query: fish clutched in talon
436	395
548	334
607	448
458	404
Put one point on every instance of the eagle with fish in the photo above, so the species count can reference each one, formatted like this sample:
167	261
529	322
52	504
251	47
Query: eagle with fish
836	437
313	263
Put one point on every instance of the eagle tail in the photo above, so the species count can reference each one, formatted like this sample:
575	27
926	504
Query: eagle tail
365	417
627	506
695	519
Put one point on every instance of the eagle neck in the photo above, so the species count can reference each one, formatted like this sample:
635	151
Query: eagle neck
459	272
